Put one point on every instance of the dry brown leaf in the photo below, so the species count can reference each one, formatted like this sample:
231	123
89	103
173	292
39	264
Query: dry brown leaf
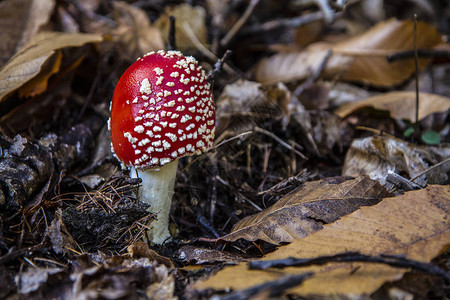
28	62
140	249
135	32
370	49
38	84
192	16
288	67
361	58
19	22
306	209
377	156
401	105
414	225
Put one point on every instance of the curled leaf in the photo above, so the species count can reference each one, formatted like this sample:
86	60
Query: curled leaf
26	64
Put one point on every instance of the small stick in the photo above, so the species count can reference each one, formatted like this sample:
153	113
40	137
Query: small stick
416	66
422	53
391	260
273	288
280	141
172	45
430	169
200	47
299	90
223	141
218	65
401	182
283	23
376	131
238	25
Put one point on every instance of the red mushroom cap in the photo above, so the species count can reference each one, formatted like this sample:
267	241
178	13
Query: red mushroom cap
162	109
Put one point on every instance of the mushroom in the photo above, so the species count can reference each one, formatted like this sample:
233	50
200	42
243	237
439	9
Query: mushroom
162	109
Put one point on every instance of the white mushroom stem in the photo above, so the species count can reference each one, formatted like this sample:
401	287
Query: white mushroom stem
157	190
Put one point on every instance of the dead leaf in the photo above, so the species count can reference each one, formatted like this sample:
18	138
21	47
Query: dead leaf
38	84
28	62
371	48
289	67
125	281
34	278
192	254
401	105
414	225
306	209
141	249
19	23
134	31
343	92
185	14
378	155
361	58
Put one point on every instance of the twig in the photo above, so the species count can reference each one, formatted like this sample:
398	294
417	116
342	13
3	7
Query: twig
391	260
200	47
376	131
200	218
294	181
422	53
324	6
225	183
274	288
299	90
231	139
172	44
431	168
238	25
24	251
401	182
416	74
282	23
280	141
218	66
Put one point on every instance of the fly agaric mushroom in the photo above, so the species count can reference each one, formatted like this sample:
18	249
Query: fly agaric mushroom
162	109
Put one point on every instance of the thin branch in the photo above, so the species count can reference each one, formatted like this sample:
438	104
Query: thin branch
299	90
421	53
280	141
172	44
238	25
401	182
283	23
274	288
230	139
416	74
218	65
430	169
200	47
391	260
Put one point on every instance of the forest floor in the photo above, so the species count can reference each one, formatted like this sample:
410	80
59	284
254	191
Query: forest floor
324	150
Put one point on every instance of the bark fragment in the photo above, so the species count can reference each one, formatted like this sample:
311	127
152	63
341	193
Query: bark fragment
26	165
